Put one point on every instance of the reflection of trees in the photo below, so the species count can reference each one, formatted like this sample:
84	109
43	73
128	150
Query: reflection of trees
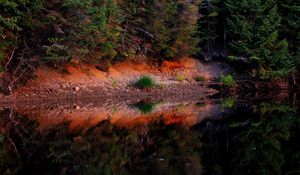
263	144
103	149
258	148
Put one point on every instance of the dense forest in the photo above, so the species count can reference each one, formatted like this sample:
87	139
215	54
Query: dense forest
263	34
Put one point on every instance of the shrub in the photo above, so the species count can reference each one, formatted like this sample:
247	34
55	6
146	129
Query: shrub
180	78
200	78
56	53
145	82
227	80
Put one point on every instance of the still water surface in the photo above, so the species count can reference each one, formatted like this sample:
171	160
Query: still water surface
208	136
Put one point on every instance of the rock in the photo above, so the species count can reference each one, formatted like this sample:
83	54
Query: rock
77	107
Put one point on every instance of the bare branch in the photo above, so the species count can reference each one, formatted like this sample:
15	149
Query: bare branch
11	56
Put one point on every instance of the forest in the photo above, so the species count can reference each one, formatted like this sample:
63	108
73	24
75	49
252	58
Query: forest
261	35
149	87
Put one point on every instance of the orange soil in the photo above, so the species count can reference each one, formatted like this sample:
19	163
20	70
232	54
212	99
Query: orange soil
82	74
85	76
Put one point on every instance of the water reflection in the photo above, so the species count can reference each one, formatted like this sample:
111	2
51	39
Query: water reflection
227	136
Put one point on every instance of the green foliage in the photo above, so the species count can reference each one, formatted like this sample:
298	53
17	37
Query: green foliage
254	31
289	11
16	18
145	82
160	28
227	80
210	11
271	74
56	53
12	14
95	25
93	30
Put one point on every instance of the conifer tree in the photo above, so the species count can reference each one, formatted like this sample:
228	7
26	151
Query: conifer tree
94	28
254	30
290	13
162	29
16	16
207	25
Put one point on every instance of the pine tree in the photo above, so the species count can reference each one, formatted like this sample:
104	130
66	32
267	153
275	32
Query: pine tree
254	29
161	29
207	25
94	27
15	18
290	13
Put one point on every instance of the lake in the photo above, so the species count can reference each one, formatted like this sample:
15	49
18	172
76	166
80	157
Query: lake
210	135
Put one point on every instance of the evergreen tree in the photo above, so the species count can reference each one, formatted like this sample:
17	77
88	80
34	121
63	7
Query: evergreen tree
163	29
16	16
207	25
254	29
94	27
290	13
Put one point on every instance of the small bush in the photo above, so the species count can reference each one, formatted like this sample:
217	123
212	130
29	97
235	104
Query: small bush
200	78
145	82
227	80
180	78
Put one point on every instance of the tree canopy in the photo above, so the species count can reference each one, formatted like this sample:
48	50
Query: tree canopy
59	31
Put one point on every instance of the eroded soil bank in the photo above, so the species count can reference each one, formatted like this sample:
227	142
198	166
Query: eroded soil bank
84	81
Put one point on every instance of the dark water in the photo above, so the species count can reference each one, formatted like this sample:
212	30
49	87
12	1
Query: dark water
223	136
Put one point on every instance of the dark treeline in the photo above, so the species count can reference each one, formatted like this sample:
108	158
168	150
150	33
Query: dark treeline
262	33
